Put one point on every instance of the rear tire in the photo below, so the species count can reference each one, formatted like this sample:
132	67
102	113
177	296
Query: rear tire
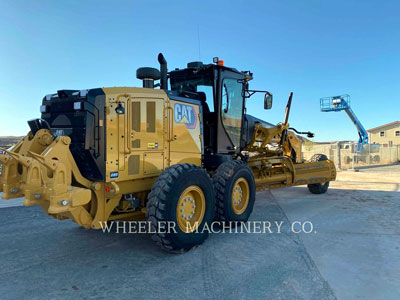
318	188
181	190
234	190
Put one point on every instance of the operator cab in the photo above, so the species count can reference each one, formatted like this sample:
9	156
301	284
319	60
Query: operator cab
221	92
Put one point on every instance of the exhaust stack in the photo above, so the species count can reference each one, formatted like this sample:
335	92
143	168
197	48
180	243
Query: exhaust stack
163	71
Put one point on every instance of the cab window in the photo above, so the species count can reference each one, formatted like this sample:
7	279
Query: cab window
232	108
208	92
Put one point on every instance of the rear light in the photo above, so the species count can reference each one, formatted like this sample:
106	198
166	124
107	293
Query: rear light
83	93
64	202
217	61
77	105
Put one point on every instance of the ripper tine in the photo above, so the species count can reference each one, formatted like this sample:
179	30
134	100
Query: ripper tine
41	159
21	159
12	154
37	156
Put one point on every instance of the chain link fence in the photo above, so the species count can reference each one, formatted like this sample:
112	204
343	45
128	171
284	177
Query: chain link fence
344	156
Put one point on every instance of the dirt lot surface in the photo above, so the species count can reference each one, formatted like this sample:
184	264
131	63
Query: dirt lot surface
352	251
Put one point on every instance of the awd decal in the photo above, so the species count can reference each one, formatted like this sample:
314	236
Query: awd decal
114	174
185	114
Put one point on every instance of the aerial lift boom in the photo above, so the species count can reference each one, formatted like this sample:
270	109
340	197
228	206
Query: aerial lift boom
342	102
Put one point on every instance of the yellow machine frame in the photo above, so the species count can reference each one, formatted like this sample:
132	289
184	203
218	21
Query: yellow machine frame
41	168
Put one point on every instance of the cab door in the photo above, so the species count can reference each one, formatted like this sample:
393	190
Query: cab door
230	113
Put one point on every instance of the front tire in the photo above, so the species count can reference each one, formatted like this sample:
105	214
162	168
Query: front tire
234	190
183	196
318	188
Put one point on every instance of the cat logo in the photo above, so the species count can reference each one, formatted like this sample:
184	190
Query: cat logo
59	132
185	114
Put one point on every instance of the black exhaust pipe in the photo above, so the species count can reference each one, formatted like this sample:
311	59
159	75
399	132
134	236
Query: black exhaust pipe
163	71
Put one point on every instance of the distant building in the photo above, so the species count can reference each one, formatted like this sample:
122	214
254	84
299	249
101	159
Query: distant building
388	134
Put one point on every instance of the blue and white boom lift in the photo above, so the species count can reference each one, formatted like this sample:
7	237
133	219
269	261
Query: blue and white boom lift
342	102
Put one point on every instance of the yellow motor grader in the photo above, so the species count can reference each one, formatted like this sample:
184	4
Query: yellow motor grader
187	155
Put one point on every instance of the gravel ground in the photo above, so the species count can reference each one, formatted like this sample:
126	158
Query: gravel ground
351	253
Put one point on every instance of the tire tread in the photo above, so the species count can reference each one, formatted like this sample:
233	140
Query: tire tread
318	188
157	203
220	179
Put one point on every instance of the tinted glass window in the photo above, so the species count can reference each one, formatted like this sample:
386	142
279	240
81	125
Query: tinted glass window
208	91
232	108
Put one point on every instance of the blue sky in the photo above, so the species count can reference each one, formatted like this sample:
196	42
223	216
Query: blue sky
313	48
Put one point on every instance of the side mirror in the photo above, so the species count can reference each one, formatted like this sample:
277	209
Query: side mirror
267	101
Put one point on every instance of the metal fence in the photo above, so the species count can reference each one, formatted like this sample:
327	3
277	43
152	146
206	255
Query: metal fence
344	156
